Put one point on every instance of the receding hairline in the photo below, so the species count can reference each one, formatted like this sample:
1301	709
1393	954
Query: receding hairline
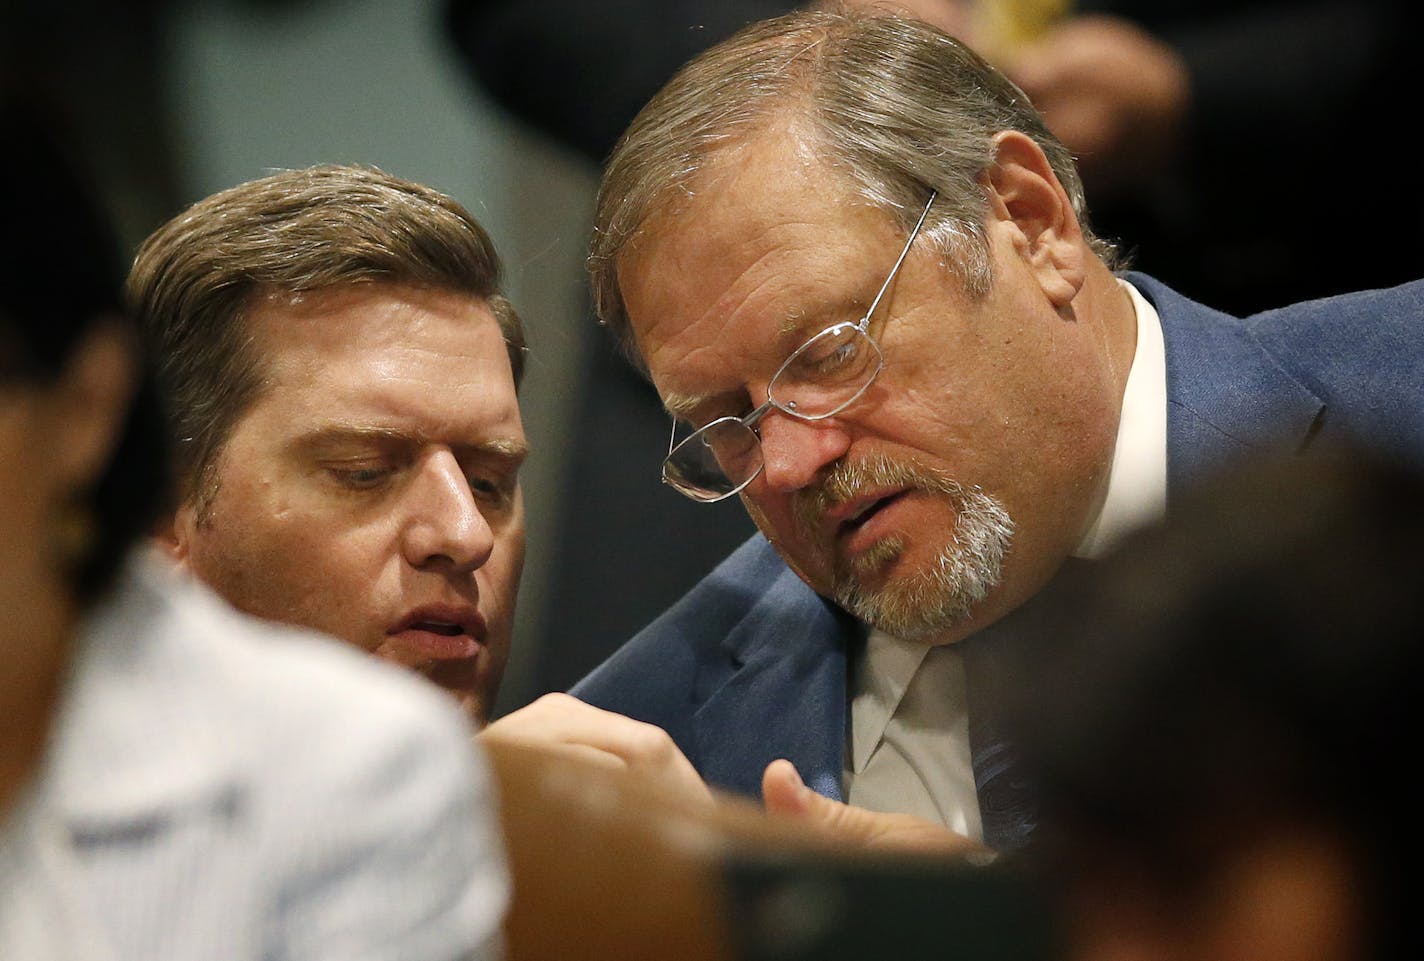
676	210
317	304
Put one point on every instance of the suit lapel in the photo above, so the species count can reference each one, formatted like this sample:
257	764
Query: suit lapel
779	692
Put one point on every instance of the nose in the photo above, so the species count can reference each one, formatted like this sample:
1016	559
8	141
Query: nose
794	451
444	526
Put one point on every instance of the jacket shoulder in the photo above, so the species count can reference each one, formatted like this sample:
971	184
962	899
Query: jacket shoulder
1363	355
652	676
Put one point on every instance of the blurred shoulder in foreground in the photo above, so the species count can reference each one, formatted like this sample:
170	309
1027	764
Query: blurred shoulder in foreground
1220	730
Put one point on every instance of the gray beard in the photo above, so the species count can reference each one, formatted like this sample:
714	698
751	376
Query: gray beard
927	602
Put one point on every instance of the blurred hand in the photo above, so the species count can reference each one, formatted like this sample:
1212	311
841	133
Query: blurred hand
1114	94
785	795
561	724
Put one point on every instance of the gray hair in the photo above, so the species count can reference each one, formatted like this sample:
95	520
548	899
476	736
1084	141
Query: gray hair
899	108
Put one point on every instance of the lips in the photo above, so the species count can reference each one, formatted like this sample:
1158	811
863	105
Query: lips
437	632
848	517
860	524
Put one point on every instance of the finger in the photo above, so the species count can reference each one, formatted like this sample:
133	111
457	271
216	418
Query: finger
564	719
645	749
782	790
784	793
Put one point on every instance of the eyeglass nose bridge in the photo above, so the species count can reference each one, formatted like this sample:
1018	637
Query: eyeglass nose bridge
688	483
752	420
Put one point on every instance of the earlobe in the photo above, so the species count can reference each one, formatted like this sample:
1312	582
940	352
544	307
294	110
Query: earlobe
173	539
1028	203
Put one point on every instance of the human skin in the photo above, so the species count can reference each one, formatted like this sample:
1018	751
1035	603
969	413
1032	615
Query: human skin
371	491
54	441
1017	392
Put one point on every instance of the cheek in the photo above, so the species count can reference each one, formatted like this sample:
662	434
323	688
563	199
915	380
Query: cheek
771	513
775	518
288	565
502	572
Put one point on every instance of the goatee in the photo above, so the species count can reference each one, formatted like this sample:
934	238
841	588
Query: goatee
924	602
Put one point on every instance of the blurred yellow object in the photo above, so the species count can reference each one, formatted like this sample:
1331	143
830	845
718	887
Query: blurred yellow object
1002	26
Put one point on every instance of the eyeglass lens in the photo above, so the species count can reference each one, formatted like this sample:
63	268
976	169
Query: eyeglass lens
715	461
826	373
822	377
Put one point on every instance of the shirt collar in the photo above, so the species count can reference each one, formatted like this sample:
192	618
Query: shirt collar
886	669
1137	481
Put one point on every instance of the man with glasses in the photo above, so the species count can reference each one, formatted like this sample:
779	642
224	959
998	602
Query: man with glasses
924	440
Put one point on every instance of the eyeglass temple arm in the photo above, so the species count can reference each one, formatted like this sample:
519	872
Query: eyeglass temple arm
894	271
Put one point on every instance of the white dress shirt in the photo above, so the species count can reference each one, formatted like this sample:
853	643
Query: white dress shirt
908	749
221	788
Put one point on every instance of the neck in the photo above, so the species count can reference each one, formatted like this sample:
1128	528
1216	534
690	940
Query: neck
1117	321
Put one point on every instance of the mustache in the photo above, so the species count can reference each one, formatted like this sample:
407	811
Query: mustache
845	480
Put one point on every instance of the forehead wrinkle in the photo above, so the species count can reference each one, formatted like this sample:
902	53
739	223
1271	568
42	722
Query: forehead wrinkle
725	311
683	403
761	298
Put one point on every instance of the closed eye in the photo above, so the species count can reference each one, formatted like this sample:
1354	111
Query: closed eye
494	487
363	477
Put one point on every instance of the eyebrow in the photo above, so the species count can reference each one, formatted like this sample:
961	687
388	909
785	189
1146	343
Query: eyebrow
797	320
502	447
684	405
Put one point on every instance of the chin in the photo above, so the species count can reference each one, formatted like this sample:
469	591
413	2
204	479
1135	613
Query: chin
923	597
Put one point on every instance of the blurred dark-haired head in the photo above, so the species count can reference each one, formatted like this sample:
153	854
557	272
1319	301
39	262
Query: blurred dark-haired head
1242	683
60	281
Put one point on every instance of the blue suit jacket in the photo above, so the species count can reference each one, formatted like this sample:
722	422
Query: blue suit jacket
750	665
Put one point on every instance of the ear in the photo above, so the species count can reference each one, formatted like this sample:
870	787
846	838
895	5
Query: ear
1030	206
90	401
175	538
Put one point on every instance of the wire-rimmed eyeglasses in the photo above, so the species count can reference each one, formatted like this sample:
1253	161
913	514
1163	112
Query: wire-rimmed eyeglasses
819	379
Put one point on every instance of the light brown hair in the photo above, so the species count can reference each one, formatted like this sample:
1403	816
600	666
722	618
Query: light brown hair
195	278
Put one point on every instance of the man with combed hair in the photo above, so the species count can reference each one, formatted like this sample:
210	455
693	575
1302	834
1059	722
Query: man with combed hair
343	368
857	268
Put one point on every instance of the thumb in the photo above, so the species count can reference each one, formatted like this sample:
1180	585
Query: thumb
783	792
786	795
